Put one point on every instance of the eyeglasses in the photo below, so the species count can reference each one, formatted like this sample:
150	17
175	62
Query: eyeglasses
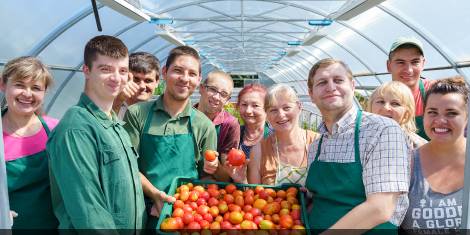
213	91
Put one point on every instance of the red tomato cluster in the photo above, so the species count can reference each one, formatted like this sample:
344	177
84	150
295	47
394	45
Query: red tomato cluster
217	208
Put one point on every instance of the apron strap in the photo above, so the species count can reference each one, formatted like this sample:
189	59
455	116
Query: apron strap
421	89
43	123
357	154
356	139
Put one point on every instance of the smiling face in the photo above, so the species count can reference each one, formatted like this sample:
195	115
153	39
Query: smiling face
251	108
147	83
445	117
332	90
215	92
182	77
389	105
24	96
106	78
405	65
283	114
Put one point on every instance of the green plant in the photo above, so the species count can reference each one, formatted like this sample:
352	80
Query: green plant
232	109
361	99
160	88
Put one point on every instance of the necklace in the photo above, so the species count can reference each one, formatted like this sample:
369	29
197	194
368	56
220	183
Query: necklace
29	129
303	156
252	139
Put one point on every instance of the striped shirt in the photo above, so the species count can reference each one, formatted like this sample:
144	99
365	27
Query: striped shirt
383	154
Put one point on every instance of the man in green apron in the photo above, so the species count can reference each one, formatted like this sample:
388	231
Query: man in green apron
215	93
171	135
359	169
405	63
95	182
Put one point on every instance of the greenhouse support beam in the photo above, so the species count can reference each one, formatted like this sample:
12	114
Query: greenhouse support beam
55	33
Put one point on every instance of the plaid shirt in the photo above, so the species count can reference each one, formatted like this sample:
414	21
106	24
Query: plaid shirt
383	153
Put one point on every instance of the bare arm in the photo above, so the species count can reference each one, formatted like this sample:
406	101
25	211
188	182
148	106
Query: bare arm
377	209
156	195
253	173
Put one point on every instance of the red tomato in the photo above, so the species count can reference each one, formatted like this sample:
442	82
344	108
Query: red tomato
236	157
210	155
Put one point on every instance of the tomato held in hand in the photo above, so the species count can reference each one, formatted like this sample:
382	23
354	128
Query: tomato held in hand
236	157
210	155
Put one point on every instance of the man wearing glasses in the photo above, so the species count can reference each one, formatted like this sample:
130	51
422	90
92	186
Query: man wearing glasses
215	93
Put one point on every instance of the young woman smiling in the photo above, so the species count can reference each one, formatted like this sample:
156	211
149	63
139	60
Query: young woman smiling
25	133
437	178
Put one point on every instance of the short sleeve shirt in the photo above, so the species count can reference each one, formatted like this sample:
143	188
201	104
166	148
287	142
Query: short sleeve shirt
163	124
383	154
229	132
418	97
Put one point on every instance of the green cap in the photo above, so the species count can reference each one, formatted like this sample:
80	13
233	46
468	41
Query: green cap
406	41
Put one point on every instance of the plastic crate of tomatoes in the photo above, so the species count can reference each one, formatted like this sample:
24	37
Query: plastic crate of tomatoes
206	205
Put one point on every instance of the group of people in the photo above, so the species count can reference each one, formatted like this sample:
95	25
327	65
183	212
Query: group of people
110	160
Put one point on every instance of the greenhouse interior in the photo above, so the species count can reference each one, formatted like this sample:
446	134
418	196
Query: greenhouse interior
267	42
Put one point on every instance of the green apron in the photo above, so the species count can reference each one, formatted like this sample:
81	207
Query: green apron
163	158
337	188
29	190
419	119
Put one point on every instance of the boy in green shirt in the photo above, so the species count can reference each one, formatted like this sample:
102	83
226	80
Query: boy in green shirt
95	182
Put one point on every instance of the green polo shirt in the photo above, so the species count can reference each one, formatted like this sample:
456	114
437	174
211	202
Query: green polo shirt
95	182
163	124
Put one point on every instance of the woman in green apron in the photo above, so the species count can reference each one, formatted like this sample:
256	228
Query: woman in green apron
25	132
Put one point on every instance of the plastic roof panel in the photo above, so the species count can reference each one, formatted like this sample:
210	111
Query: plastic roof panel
67	49
23	27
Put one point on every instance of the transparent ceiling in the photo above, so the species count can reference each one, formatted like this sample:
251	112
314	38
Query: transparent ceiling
266	38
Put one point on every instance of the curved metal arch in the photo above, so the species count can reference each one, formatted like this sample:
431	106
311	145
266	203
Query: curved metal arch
323	14
206	1
281	74
297	74
55	33
405	20
67	79
355	56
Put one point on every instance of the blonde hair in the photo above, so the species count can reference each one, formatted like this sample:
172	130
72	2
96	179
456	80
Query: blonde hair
401	92
26	67
280	89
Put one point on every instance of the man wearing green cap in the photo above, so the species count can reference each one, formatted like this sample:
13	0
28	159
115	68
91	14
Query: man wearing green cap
405	63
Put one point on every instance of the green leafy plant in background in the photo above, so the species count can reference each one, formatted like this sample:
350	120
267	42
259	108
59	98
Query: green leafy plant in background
362	100
160	88
232	109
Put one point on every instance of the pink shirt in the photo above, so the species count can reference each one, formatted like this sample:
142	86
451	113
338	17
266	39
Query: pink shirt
418	97
18	147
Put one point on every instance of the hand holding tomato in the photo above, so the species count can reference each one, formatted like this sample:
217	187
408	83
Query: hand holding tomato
236	157
210	155
211	162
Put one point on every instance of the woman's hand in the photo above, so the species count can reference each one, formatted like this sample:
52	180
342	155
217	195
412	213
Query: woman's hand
158	199
237	173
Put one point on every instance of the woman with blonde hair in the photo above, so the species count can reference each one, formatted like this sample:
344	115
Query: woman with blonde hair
394	100
24	82
282	157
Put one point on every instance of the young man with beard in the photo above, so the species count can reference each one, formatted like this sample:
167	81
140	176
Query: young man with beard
95	181
171	135
215	93
144	77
